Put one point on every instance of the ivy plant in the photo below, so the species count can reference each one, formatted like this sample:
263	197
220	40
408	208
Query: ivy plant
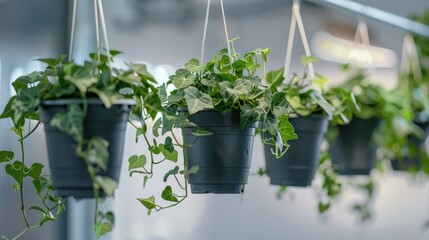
64	79
225	83
313	96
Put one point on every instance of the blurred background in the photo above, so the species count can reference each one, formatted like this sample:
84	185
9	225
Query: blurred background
166	33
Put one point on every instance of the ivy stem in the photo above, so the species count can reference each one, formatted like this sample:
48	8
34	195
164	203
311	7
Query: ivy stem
21	181
30	132
24	231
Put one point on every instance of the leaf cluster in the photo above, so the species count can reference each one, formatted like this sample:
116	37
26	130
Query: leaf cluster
312	96
229	83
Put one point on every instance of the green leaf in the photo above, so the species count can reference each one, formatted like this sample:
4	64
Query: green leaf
182	79
135	162
35	170
162	91
156	127
320	81
141	70
70	122
107	184
15	171
197	100
323	207
275	78
173	171
98	152
145	178
23	82
192	170
102	228
280	105
264	53
199	132
149	203
249	115
307	60
231	92
82	83
286	129
6	156
270	123
8	111
167	194
172	156
27	100
194	66
107	97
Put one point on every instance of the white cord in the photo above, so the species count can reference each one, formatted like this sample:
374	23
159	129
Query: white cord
304	38
290	41
103	26
410	59
226	29
72	29
297	20
203	44
97	30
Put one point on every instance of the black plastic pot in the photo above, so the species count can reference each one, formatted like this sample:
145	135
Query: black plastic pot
298	166
353	152
414	160
223	158
69	172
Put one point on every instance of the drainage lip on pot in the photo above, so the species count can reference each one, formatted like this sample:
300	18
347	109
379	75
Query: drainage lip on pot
298	166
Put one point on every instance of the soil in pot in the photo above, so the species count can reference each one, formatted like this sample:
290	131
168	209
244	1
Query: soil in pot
69	172
223	158
353	152
299	164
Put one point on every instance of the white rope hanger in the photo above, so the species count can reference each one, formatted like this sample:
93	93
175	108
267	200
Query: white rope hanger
205	30
410	59
99	18
297	20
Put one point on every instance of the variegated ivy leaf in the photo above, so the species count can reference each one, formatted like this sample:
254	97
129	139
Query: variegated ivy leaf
321	101
148	203
107	97
162	91
249	115
280	105
182	79
107	184
82	83
302	110
194	66
286	130
70	122
271	122
197	100
97	152
266	100
27	100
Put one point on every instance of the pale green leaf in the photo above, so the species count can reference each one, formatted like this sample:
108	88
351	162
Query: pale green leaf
82	83
197	100
135	162
167	194
182	78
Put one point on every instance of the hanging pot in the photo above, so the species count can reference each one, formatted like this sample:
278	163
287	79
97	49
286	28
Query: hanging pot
69	172
223	158
299	164
413	161
353	152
